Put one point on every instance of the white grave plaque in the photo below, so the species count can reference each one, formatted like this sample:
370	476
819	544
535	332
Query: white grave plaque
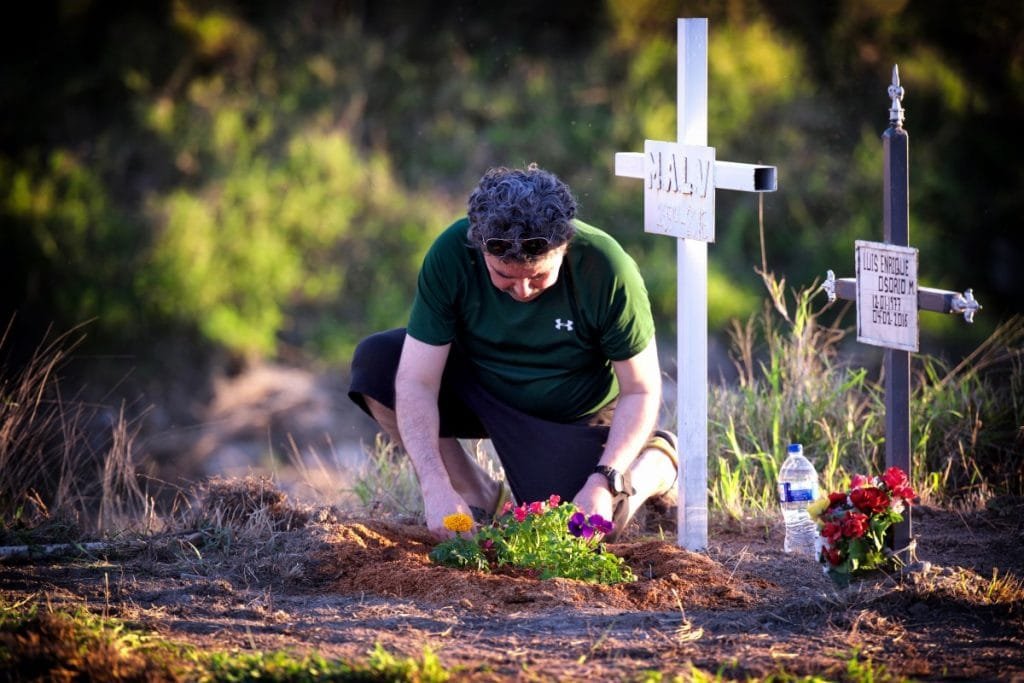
679	190
887	295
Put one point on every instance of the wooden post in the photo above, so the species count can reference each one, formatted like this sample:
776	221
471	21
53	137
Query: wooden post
692	301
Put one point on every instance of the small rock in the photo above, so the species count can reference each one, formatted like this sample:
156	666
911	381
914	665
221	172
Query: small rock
920	567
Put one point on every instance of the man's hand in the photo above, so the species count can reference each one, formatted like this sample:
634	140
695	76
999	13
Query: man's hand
595	498
438	504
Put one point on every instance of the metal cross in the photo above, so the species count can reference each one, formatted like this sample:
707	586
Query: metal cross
874	326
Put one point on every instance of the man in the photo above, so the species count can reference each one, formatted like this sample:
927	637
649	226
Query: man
533	329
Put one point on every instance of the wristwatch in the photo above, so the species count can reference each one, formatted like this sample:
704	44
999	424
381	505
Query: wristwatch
617	483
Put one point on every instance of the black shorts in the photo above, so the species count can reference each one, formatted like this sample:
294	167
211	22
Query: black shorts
539	457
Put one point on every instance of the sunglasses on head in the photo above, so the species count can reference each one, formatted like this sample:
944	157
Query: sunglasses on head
531	246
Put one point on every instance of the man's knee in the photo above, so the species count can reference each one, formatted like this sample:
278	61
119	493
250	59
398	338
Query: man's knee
383	415
379	351
374	364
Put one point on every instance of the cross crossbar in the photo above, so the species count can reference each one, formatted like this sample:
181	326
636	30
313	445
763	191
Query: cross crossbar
729	175
928	298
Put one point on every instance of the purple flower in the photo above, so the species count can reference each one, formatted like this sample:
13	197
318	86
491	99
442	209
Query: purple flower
601	524
577	523
582	526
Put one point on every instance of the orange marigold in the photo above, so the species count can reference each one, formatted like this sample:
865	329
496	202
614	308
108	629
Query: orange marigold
458	522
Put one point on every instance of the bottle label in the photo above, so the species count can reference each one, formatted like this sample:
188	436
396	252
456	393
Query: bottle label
794	495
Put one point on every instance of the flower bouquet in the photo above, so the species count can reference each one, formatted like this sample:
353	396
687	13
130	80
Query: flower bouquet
853	524
544	538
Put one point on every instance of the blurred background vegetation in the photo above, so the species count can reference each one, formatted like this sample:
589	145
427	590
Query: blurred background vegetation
213	182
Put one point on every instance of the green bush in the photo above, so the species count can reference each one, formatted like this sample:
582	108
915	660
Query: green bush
320	245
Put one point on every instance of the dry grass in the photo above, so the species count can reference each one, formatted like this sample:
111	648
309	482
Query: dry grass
242	529
252	506
67	464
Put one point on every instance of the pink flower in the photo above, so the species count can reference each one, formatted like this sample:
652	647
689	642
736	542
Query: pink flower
520	513
894	478
536	508
507	507
554	500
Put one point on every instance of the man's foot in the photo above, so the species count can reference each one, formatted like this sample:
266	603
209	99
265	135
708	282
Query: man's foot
482	516
652	480
665	441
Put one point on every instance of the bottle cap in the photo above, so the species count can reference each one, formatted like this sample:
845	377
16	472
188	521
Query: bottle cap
795	447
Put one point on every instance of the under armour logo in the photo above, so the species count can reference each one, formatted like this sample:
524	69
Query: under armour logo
559	325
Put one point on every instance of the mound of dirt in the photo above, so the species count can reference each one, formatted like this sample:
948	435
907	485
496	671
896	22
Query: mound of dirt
391	559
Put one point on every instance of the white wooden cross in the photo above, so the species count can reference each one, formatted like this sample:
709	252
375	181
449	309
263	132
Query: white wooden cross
679	200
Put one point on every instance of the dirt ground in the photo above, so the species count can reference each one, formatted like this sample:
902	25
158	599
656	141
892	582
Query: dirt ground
742	608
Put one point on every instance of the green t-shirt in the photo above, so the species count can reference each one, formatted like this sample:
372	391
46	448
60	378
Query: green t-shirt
549	357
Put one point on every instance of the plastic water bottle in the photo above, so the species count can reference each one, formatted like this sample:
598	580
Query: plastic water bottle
798	488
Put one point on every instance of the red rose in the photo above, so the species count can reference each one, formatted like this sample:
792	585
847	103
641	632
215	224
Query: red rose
836	498
833	556
904	492
894	478
870	499
858	481
831	532
855	525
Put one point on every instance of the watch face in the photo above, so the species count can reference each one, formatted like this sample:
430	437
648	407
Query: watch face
616	481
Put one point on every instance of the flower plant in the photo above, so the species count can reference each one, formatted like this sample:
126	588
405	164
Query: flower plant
853	524
544	538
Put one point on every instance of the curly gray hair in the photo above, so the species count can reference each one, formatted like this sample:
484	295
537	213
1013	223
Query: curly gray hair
521	204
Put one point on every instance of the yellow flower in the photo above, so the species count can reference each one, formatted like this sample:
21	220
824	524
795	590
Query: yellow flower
458	522
817	507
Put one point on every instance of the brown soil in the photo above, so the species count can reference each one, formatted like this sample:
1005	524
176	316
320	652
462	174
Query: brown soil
742	608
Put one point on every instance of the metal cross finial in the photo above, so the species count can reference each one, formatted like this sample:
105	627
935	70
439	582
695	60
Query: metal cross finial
896	94
829	285
965	303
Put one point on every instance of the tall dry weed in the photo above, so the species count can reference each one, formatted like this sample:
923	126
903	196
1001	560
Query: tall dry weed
66	463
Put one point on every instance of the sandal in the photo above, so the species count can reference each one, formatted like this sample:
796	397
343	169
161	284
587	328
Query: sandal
482	517
665	442
620	510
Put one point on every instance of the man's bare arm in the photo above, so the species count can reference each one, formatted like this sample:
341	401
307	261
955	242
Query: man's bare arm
416	389
635	416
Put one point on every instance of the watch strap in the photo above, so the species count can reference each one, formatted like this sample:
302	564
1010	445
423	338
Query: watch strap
612	474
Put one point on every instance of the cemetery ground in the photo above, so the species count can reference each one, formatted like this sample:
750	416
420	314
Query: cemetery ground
255	574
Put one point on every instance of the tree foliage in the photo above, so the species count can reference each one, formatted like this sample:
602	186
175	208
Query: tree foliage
269	174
